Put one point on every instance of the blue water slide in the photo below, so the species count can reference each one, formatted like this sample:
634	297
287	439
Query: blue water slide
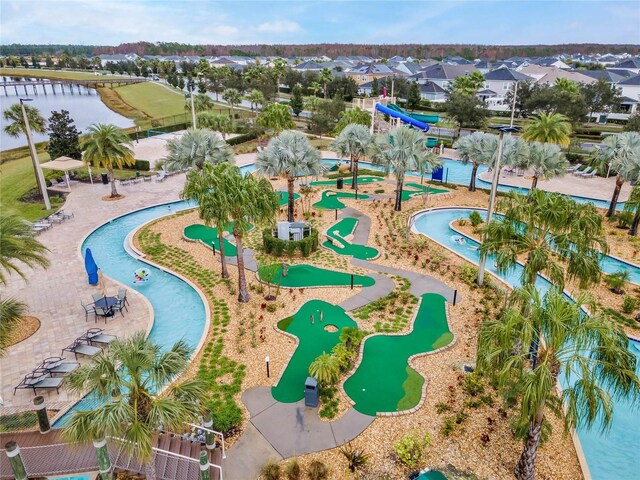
405	118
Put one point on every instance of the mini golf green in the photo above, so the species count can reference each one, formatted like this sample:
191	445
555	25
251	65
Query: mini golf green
339	231
207	235
283	197
330	199
300	276
313	341
417	189
348	181
384	381
432	475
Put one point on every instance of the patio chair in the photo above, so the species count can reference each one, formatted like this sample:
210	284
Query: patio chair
122	294
578	172
586	171
117	308
591	174
575	167
125	182
97	335
87	310
55	218
66	215
161	176
56	366
79	348
36	380
97	296
104	313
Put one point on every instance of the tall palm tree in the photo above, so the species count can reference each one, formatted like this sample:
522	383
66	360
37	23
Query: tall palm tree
590	349
233	97
251	200
218	122
325	78
276	117
279	69
553	233
468	84
353	142
202	187
201	103
620	153
195	148
401	150
548	128
478	148
547	161
107	146
289	155
255	98
325	369
130	374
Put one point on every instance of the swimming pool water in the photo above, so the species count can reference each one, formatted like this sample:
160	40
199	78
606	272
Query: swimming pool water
610	456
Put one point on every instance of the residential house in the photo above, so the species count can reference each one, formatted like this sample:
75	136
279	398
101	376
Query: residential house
366	73
443	75
550	62
608	76
500	81
405	68
630	88
120	57
631	64
548	75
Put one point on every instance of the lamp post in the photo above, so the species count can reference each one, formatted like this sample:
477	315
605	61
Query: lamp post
266	360
34	156
492	196
191	85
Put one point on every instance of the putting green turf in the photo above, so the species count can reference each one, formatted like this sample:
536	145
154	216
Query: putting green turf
330	199
313	341
207	235
348	181
384	381
345	227
417	189
283	197
299	276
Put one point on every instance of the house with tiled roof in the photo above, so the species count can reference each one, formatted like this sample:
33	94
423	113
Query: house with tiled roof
630	87
406	68
630	64
608	76
443	75
548	75
366	73
498	82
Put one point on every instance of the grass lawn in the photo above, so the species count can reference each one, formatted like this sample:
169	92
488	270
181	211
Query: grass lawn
54	74
151	99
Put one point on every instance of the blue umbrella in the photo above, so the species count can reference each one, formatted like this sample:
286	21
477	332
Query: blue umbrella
91	267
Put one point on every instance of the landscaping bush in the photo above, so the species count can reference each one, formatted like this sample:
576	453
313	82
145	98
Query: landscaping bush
356	458
270	471
142	165
318	471
475	218
616	281
293	470
469	274
246	137
473	385
277	247
410	448
629	304
226	415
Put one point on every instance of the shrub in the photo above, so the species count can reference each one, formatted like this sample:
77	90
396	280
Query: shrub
142	165
442	407
317	471
247	137
616	281
277	247
475	218
226	416
473	385
379	190
629	304
624	218
293	470
469	274
411	448
356	458
270	471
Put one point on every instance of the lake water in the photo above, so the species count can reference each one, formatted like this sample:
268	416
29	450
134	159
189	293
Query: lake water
84	106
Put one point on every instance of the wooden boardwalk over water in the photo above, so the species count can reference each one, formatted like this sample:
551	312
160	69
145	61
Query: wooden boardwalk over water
68	84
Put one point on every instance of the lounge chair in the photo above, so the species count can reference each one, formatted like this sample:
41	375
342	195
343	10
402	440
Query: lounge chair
97	335
39	380
56	366
87	310
575	167
591	174
79	348
146	178
161	176
585	172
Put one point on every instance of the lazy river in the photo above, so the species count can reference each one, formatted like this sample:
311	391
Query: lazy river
609	456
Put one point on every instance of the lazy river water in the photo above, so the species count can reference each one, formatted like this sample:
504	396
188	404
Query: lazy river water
609	456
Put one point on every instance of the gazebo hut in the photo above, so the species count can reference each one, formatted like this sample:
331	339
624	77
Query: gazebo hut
65	164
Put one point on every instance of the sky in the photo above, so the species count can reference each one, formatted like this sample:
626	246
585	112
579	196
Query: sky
507	22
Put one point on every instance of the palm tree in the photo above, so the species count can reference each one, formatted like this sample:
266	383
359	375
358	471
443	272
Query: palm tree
256	98
353	115
325	369
107	146
232	96
218	122
315	87
195	148
11	312
402	150
202	187
276	117
201	103
251	201
130	374
468	84
279	69
353	142
552	233
547	161
633	205
478	148
18	244
590	349
548	128
620	153
325	78
289	155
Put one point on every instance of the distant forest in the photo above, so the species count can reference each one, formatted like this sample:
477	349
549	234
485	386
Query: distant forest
490	52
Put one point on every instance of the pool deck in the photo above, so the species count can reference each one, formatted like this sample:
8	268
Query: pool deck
54	295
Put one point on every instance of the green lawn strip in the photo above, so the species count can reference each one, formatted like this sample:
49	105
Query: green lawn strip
349	181
283	196
378	384
418	189
206	235
343	228
302	276
330	199
313	341
152	99
412	387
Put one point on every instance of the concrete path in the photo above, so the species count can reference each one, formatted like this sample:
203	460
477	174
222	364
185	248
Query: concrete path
247	456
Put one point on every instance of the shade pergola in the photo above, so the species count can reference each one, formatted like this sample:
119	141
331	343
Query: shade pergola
65	164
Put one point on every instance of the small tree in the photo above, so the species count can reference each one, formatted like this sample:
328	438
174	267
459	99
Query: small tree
297	101
232	96
352	116
256	98
218	122
375	88
467	110
413	100
64	138
276	117
325	369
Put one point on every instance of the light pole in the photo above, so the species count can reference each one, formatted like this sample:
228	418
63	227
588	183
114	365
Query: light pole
492	196
34	156
191	85
266	359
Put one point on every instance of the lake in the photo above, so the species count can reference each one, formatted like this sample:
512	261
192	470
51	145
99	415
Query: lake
84	106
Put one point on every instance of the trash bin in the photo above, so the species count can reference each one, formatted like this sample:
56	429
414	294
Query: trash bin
137	174
105	179
311	392
340	183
